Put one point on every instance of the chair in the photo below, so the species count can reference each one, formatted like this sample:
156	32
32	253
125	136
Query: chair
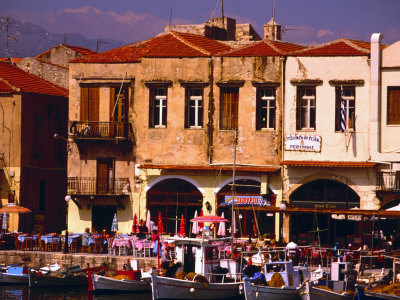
110	248
97	245
147	248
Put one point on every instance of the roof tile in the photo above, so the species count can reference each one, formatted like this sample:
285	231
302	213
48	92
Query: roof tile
341	47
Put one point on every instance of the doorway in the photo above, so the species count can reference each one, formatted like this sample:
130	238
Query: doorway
102	217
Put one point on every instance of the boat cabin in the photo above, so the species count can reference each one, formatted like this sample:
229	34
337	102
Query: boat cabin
293	276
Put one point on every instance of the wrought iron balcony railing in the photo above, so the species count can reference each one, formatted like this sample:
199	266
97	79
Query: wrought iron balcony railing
101	130
98	186
388	181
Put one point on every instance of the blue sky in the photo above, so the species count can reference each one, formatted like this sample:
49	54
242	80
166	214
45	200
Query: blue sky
306	21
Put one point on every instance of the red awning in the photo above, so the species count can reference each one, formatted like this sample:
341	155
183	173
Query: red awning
331	164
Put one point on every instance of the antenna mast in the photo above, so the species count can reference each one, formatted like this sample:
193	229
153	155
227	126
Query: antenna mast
273	10
9	36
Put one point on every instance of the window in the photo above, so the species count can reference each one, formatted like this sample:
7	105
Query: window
119	105
158	107
89	104
347	95
229	108
265	108
393	105
194	108
305	118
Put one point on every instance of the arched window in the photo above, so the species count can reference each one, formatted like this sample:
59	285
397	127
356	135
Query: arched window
249	219
174	198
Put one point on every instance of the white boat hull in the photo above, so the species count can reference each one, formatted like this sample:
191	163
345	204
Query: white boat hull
308	292
36	280
253	292
102	283
14	278
171	288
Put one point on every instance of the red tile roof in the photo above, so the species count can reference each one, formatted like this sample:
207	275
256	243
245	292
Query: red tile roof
312	163
80	50
19	79
341	47
264	48
5	87
172	44
14	59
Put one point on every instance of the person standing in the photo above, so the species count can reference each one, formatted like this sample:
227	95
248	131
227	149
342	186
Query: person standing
166	258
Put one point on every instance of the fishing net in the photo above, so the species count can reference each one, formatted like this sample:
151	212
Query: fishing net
393	289
276	281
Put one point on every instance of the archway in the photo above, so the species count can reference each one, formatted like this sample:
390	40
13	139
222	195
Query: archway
174	197
248	218
325	193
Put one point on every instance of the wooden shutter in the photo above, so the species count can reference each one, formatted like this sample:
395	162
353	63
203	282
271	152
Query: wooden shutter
258	109
337	107
102	172
187	108
393	107
151	108
84	103
165	109
299	94
229	108
93	114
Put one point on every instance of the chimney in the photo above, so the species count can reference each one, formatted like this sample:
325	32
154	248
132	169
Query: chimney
272	30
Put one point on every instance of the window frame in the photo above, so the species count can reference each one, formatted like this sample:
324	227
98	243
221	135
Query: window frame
390	109
162	109
198	109
348	108
300	122
231	120
270	109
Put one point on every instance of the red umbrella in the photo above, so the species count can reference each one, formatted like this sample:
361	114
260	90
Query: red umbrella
182	228
201	224
210	219
135	225
160	224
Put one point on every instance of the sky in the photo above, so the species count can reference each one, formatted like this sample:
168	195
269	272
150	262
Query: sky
307	22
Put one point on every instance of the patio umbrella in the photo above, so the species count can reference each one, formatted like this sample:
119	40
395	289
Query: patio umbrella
195	228
221	227
5	221
201	224
148	222
12	208
160	224
114	225
182	228
209	219
135	224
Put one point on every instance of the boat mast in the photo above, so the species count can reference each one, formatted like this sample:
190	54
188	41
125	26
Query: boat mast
233	188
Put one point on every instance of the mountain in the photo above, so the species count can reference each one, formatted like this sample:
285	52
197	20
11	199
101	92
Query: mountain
29	40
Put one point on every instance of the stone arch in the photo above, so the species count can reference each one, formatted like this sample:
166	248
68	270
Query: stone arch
154	182
229	180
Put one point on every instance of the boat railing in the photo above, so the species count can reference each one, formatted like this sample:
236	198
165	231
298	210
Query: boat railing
236	276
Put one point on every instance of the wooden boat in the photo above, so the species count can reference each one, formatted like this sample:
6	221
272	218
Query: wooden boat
14	275
363	293
199	256
315	292
292	276
134	284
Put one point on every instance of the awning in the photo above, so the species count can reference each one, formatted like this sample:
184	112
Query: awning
330	164
261	169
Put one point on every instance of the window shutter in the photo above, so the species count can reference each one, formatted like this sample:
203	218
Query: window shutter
298	107
125	91
151	108
165	109
337	108
258	109
187	108
393	107
93	113
112	103
84	103
235	108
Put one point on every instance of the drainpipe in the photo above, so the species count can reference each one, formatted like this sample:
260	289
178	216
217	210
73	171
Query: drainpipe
211	108
375	97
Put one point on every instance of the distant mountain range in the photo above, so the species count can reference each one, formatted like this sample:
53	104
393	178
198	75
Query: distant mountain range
29	40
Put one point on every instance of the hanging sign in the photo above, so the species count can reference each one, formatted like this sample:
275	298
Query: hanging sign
246	201
297	142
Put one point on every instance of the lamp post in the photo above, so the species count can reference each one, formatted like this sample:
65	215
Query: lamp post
282	208
66	248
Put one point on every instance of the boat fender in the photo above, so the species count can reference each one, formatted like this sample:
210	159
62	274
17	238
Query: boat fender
192	290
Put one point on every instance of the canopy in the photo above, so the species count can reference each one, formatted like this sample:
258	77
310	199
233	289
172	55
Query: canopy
148	222
211	219
12	208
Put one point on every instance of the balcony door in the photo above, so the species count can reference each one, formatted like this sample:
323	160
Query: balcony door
90	99
105	176
119	106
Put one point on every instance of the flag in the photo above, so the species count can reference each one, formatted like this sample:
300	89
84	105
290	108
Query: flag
342	112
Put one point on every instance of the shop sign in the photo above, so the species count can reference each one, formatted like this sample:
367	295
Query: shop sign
246	201
349	217
297	142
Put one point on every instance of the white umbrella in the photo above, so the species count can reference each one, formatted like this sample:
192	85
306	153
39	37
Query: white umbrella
233	225
148	222
114	225
221	227
5	221
195	228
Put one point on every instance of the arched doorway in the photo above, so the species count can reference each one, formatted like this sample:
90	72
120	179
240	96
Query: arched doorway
324	193
247	217
173	198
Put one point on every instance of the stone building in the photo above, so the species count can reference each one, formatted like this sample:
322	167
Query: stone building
33	164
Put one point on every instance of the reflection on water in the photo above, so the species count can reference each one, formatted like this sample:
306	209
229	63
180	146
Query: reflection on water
18	292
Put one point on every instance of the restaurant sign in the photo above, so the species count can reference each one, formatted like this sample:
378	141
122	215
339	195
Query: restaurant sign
246	201
297	142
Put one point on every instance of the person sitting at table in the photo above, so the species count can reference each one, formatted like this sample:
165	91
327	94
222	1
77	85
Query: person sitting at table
142	230
85	237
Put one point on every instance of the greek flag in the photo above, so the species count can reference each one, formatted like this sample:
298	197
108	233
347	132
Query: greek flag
342	112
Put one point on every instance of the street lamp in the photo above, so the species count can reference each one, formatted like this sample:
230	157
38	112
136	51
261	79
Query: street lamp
282	208
66	248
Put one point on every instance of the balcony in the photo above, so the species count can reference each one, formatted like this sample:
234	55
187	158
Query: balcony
93	186
388	181
105	131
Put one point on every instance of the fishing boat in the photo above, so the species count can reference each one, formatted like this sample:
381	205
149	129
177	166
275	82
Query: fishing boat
72	276
127	281
198	256
292	279
363	293
17	274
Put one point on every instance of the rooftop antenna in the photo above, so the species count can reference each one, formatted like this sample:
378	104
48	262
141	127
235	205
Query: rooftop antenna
99	42
170	17
7	25
273	10
65	37
223	17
